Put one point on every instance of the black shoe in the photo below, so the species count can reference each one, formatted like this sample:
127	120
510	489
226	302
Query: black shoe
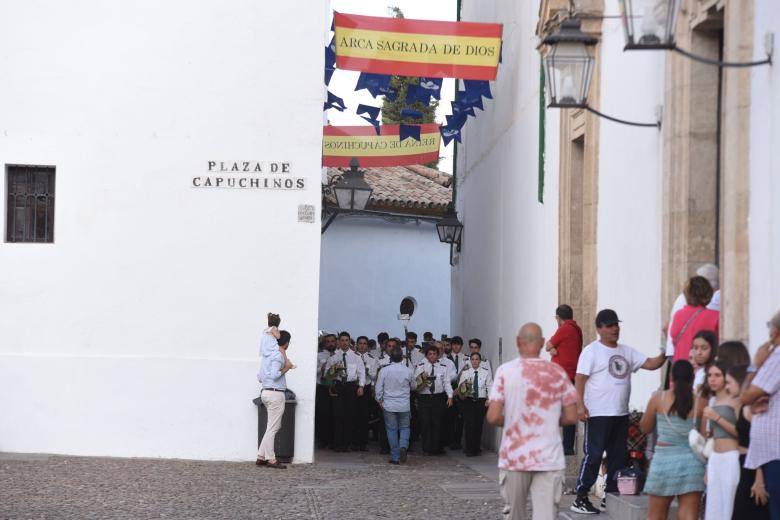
362	448
583	506
384	451
395	462
455	446
403	455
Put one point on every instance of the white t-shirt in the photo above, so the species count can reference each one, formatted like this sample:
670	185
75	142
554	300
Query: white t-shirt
698	378
609	377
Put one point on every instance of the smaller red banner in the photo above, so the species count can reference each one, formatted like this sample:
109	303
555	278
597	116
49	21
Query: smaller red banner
341	143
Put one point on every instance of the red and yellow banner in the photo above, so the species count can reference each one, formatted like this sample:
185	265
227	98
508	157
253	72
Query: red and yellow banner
422	48
341	143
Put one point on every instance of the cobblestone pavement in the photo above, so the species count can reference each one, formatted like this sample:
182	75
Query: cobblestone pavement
339	486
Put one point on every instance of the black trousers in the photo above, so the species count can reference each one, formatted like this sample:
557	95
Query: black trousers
608	433
323	416
344	409
431	411
414	425
456	436
569	436
362	412
452	431
744	506
474	418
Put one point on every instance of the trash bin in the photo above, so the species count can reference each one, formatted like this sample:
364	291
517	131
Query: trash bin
284	443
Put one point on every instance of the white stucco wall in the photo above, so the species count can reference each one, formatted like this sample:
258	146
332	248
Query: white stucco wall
630	196
369	265
508	269
136	332
764	216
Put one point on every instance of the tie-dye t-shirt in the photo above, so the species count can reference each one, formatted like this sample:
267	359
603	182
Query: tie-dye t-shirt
533	392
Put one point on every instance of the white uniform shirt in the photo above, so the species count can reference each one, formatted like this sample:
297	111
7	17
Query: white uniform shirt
412	359
441	378
356	370
485	381
322	359
371	367
453	375
461	362
382	361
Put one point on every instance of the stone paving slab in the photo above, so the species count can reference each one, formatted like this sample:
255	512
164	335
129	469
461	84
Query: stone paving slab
339	486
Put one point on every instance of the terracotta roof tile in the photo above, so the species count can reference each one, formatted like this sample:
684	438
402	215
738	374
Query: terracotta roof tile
409	189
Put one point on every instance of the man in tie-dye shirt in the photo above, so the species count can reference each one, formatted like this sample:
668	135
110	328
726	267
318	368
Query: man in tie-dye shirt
531	398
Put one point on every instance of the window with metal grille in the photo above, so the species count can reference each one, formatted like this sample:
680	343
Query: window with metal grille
30	204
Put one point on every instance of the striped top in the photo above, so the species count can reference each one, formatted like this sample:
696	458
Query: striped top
765	427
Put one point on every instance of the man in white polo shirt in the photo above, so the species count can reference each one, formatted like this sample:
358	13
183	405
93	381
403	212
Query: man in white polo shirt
603	384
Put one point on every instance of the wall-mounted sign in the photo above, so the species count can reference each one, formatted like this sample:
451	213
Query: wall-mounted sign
250	175
306	213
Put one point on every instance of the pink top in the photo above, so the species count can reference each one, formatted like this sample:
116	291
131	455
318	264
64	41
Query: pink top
533	392
707	319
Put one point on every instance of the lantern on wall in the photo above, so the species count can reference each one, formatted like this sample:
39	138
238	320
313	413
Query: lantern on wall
352	191
649	24
450	228
569	65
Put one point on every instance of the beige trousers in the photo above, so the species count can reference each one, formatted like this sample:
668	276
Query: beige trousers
274	405
545	488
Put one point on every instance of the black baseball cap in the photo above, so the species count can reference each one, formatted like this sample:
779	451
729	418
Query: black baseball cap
606	317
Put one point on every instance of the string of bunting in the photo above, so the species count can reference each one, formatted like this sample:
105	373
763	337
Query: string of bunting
426	50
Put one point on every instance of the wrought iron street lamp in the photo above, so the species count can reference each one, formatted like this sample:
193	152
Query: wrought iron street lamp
569	65
569	70
352	191
450	228
649	24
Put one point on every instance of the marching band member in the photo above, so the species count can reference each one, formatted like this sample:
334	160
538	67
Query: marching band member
455	417
347	371
365	403
475	345
473	388
434	395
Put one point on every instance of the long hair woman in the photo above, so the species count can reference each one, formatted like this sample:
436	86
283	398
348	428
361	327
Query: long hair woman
704	350
723	463
674	471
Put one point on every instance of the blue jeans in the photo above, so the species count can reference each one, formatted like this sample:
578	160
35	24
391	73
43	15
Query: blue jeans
395	422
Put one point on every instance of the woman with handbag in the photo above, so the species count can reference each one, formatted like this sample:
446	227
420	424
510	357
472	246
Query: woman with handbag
674	471
723	462
692	318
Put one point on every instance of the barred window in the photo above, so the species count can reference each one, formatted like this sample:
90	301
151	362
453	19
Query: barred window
30	204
